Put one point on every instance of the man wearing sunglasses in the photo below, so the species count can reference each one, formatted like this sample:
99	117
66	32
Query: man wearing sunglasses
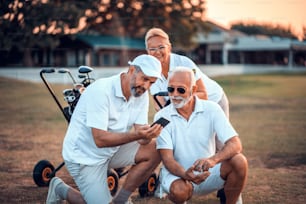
187	145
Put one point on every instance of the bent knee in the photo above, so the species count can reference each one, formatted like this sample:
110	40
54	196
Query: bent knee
148	152
237	163
180	191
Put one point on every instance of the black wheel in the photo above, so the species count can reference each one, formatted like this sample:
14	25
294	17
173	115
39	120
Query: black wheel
42	173
113	181
148	188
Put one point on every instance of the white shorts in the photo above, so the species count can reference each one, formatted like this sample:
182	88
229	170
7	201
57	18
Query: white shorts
212	183
92	180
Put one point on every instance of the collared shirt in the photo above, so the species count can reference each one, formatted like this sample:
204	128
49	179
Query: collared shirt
103	106
194	138
214	90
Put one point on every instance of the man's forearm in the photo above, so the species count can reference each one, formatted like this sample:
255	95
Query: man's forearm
169	162
109	139
230	149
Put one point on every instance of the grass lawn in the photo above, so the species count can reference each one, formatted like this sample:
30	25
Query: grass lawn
268	111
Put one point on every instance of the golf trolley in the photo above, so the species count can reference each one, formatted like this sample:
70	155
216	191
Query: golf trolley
44	170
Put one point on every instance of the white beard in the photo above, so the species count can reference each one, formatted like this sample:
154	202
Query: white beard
182	103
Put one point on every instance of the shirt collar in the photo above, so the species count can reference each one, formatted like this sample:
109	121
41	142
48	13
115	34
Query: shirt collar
118	87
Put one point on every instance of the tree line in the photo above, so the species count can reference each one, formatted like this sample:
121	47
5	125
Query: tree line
31	24
268	29
28	24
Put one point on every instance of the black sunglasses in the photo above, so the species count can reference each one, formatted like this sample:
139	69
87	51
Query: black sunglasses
179	89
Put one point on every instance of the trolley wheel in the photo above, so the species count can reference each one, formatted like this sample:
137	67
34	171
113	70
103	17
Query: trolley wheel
42	173
113	181
149	186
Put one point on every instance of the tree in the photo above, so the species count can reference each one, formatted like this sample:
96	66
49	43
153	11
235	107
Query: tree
264	29
304	33
26	24
29	24
180	18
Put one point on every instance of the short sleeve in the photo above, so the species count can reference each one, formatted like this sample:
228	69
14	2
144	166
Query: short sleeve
222	126
97	111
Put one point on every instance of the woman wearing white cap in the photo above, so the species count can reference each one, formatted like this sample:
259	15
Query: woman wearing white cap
100	136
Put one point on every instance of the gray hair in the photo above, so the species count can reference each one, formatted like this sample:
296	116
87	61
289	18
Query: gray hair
153	32
181	69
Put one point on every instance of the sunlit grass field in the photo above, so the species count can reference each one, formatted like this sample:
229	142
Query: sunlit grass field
268	111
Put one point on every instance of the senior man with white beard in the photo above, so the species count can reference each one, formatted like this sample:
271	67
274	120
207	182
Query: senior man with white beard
187	145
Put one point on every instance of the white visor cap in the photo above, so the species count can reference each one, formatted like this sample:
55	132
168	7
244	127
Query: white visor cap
148	64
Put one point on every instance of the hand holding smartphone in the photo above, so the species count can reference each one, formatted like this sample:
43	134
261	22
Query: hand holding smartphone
162	121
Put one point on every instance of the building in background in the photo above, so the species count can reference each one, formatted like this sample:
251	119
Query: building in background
91	50
220	46
224	46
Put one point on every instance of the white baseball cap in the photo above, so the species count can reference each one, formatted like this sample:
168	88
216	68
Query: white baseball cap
148	64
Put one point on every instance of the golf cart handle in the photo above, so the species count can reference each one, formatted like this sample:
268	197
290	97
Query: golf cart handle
63	70
52	70
85	69
162	93
47	70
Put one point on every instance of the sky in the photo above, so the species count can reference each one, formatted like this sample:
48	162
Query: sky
284	12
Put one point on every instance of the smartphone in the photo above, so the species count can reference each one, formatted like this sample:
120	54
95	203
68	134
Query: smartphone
162	121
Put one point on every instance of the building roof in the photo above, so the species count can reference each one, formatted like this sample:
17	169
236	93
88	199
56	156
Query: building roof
236	40
112	42
217	34
256	43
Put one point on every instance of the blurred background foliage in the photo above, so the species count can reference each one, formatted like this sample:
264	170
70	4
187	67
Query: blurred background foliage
28	24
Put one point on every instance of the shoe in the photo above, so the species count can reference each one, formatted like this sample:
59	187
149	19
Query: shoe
221	196
239	201
129	201
53	198
160	193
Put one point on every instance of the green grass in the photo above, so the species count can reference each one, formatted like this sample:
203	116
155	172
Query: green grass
268	112
277	86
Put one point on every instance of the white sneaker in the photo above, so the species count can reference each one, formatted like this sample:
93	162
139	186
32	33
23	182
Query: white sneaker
239	201
160	193
53	198
129	201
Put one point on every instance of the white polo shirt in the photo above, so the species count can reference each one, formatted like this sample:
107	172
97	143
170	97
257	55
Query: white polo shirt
214	90
195	138
103	106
